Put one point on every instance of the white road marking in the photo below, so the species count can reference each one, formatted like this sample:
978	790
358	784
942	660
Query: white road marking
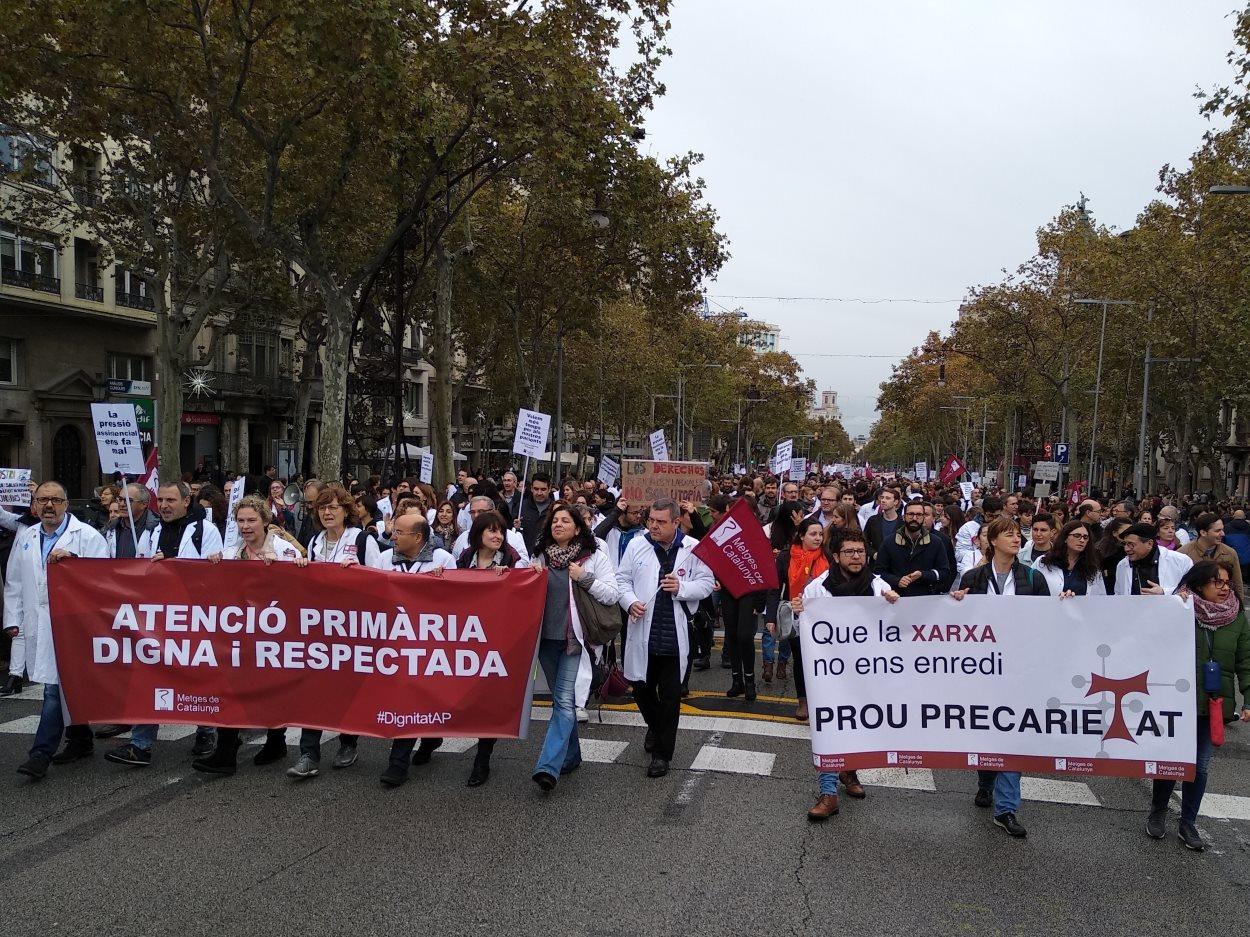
24	726
1225	807
457	746
910	779
1058	792
733	760
601	751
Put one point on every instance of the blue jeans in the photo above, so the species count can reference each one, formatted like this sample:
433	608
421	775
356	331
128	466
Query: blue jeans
52	724
770	648
144	737
1006	787
1191	791
561	749
829	782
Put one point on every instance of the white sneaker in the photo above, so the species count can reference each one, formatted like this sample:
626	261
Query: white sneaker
582	715
305	767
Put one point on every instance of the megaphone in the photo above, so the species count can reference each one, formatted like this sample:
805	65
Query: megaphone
291	495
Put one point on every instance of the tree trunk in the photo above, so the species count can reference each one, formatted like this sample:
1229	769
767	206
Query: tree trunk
303	403
339	314
441	379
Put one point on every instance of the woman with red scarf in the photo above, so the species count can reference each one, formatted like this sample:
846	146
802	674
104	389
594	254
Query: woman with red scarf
797	565
1223	639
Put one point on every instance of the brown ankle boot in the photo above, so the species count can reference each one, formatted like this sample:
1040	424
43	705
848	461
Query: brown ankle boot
850	783
768	672
825	808
800	711
781	670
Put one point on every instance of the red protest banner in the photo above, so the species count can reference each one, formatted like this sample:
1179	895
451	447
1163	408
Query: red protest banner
951	470
249	645
738	553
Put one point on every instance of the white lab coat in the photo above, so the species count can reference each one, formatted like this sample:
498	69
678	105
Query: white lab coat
816	588
441	560
345	547
1054	579
1172	569
603	590
210	542
26	595
638	578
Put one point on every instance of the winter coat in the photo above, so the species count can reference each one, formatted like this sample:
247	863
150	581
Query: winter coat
638	578
604	590
900	555
439	559
1225	555
26	592
1230	646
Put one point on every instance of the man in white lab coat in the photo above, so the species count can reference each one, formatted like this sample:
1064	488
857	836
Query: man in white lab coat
661	583
58	536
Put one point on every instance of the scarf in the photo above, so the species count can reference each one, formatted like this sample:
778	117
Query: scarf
447	532
559	557
805	565
1213	615
839	583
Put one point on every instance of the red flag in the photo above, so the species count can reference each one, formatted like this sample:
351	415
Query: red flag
951	470
151	478
1074	491
738	553
245	644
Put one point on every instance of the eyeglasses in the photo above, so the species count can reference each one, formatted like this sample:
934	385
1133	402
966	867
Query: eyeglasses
1221	583
852	553
1078	536
49	501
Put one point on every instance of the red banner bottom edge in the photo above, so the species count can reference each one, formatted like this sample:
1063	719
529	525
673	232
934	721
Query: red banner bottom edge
992	761
167	719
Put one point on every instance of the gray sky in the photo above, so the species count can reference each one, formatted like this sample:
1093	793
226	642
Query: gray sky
912	149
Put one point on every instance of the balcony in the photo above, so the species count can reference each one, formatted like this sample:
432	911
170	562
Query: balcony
250	385
135	301
31	281
86	291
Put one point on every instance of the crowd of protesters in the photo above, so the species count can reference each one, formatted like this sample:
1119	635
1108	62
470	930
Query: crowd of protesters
890	537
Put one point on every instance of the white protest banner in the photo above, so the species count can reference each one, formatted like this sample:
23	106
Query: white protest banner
1041	490
659	446
117	438
643	482
1099	685
609	470
385	507
991	478
922	471
1046	471
1022	481
784	455
798	467
427	468
230	544
532	428
739	470
976	478
965	490
15	487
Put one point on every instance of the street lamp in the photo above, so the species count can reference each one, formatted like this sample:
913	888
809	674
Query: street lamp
1102	334
1229	190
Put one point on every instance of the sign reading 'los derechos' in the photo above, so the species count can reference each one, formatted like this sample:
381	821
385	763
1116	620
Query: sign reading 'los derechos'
644	481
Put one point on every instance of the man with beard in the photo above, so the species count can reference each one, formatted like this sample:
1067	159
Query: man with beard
913	561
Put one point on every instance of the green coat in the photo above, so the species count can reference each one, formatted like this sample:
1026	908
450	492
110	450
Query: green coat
1230	646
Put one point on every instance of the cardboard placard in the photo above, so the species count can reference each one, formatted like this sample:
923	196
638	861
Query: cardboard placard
644	481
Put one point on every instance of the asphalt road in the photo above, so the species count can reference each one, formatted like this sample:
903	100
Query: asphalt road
720	847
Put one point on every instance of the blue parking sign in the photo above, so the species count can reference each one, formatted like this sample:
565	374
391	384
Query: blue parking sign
1061	453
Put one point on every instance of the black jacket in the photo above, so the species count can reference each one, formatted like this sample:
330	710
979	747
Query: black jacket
899	556
1027	580
532	520
873	532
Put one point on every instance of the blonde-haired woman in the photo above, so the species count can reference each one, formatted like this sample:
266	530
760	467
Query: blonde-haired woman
258	540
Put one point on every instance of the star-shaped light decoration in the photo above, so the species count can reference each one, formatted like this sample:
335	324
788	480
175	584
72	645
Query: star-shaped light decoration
198	383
